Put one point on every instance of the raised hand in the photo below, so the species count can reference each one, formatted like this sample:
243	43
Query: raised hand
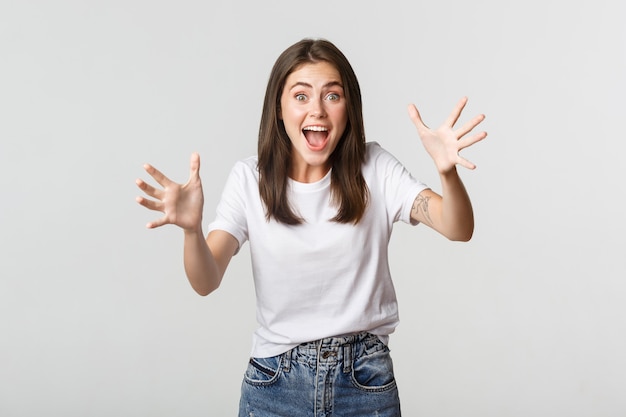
444	143
181	205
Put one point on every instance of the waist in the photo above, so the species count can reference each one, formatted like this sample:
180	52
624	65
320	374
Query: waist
335	349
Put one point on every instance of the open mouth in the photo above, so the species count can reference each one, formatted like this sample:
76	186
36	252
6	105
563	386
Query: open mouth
316	137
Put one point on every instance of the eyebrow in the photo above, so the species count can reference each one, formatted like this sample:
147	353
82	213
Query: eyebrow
327	85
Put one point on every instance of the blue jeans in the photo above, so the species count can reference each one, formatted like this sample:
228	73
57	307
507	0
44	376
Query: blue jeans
348	376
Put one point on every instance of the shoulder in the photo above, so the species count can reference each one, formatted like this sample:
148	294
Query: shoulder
247	164
372	149
377	157
245	168
243	177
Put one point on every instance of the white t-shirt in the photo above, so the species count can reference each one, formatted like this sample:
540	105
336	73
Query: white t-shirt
321	278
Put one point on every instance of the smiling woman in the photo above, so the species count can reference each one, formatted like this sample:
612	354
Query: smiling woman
313	111
317	206
312	84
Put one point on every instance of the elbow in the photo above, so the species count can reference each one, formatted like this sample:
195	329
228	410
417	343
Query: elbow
204	283
463	231
461	235
465	238
204	291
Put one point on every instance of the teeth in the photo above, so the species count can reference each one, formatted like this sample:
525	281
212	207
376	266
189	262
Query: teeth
316	128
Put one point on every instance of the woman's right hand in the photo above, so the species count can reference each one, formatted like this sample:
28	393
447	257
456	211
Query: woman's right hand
181	205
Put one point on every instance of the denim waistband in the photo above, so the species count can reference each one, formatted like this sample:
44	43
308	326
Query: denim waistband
333	350
335	342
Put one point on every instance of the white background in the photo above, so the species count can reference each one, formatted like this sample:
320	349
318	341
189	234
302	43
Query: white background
96	315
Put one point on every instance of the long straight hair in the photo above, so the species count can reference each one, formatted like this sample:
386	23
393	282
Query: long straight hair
349	191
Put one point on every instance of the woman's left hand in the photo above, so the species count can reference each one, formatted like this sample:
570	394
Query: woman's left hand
444	143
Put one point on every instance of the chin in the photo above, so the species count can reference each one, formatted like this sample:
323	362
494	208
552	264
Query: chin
317	162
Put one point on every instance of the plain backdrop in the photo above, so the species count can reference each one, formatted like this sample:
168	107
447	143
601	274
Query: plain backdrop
96	315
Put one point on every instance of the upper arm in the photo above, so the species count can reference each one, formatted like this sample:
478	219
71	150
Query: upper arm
427	208
223	247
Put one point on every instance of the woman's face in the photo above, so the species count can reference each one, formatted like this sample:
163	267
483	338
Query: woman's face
313	110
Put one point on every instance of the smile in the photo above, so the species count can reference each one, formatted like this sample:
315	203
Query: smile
316	128
316	137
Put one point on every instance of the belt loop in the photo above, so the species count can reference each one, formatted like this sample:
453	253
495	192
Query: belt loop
347	357
287	360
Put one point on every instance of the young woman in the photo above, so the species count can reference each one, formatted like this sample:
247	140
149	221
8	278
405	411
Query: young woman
317	207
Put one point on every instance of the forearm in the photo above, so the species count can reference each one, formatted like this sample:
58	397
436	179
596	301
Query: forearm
200	265
457	215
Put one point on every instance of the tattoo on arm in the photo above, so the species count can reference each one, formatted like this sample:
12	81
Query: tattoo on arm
421	205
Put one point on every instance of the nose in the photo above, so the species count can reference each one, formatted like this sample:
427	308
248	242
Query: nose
317	108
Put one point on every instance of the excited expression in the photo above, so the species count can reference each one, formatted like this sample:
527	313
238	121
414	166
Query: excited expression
313	110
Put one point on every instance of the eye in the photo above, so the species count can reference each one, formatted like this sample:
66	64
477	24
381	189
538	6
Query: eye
333	97
300	97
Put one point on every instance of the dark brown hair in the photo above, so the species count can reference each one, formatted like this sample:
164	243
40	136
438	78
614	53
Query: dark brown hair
348	188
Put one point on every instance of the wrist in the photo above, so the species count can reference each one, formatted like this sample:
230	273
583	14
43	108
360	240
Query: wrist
194	231
448	172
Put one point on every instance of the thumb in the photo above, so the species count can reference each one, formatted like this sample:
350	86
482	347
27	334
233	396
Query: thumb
194	165
414	114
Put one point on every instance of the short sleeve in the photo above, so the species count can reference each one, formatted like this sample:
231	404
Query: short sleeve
398	186
231	209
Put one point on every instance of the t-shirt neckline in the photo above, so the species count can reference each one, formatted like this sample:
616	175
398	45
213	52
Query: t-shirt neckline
324	182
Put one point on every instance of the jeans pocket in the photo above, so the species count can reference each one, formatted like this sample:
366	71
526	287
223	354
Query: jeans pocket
374	372
263	371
